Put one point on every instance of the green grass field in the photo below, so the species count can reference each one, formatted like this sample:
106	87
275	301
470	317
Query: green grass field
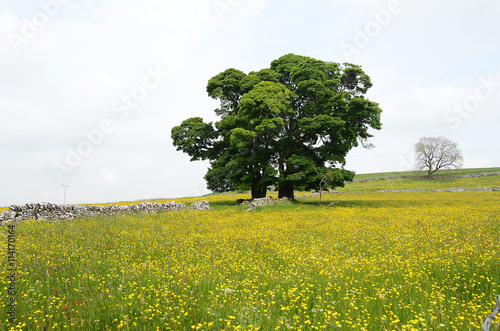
452	172
422	183
358	261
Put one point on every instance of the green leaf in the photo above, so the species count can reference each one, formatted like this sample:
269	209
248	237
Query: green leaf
288	125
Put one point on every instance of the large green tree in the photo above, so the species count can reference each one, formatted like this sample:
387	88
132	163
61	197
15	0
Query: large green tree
289	126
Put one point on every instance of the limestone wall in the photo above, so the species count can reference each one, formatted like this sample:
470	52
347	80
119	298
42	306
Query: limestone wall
483	174
54	211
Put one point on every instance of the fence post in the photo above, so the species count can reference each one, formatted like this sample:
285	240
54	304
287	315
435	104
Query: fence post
489	319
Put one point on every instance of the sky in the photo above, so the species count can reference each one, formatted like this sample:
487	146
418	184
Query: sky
90	90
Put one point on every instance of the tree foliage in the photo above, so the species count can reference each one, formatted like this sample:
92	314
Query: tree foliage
435	153
286	126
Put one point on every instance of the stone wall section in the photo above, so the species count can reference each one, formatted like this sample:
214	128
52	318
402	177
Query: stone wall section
41	211
424	177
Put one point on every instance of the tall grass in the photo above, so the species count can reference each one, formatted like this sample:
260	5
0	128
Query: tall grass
422	183
447	172
370	261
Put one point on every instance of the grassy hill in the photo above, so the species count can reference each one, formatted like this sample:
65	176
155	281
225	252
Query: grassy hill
379	181
361	261
443	180
439	173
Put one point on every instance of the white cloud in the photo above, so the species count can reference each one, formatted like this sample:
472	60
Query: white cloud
109	176
479	162
65	79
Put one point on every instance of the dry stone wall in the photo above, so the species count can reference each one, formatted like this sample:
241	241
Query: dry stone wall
482	174
462	189
40	211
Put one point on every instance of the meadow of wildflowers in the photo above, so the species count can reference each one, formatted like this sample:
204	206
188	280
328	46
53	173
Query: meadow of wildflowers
365	261
423	184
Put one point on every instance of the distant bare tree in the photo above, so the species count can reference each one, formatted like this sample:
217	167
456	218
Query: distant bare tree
434	153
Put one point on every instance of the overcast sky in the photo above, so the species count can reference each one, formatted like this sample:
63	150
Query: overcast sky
89	90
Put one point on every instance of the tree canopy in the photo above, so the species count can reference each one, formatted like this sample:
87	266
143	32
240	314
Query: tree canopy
435	153
286	126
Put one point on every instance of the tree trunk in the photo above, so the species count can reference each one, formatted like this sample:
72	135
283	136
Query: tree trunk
258	192
286	192
429	174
